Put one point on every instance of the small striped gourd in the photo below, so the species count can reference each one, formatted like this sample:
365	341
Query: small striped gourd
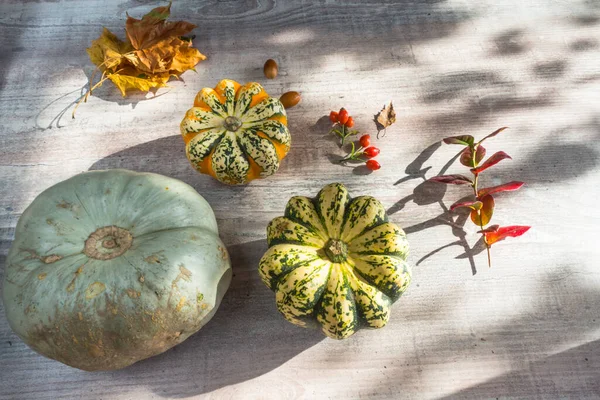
236	133
336	262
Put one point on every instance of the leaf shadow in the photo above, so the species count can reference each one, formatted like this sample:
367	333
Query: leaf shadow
426	193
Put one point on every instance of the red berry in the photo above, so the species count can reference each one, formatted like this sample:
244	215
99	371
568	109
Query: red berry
371	152
350	122
333	117
365	140
343	116
373	165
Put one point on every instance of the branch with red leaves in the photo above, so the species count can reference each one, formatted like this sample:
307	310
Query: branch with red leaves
482	206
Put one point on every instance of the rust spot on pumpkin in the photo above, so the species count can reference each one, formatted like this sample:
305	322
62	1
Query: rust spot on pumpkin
46	259
184	274
95	351
154	258
193	237
42	276
51	258
167	188
133	294
94	290
65	204
71	286
180	304
141	279
204	306
30	308
224	254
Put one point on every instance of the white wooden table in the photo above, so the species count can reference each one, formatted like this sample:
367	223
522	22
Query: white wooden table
529	327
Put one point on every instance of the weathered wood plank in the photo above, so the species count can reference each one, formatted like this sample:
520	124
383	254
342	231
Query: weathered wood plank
527	328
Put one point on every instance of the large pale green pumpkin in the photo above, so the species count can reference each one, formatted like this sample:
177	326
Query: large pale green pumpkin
335	262
110	267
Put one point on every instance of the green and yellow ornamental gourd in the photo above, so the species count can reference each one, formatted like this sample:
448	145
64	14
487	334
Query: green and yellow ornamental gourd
336	262
110	267
236	133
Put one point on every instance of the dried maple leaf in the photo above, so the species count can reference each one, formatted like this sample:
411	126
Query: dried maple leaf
152	53
171	55
386	117
108	50
153	28
186	58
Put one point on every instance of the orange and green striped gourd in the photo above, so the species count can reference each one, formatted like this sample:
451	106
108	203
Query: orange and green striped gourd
335	262
236	133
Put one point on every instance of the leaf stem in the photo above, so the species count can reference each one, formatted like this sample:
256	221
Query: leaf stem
87	94
474	186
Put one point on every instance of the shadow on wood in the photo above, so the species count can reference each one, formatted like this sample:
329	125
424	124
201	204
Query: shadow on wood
151	157
579	366
524	344
247	338
432	192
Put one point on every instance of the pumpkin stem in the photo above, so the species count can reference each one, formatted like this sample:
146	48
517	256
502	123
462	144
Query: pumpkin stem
336	250
107	243
232	123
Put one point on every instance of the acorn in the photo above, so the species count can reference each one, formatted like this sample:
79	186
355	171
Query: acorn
271	69
290	99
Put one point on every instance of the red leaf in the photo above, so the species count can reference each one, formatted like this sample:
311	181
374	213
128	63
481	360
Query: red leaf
452	179
473	205
499	234
466	157
497	131
479	154
491	228
493	160
483	216
505	187
465	140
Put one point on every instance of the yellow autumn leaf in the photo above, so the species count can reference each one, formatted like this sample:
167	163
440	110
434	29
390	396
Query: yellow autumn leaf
108	50
126	82
152	53
186	58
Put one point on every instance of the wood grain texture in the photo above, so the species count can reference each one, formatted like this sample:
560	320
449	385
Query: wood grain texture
527	328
